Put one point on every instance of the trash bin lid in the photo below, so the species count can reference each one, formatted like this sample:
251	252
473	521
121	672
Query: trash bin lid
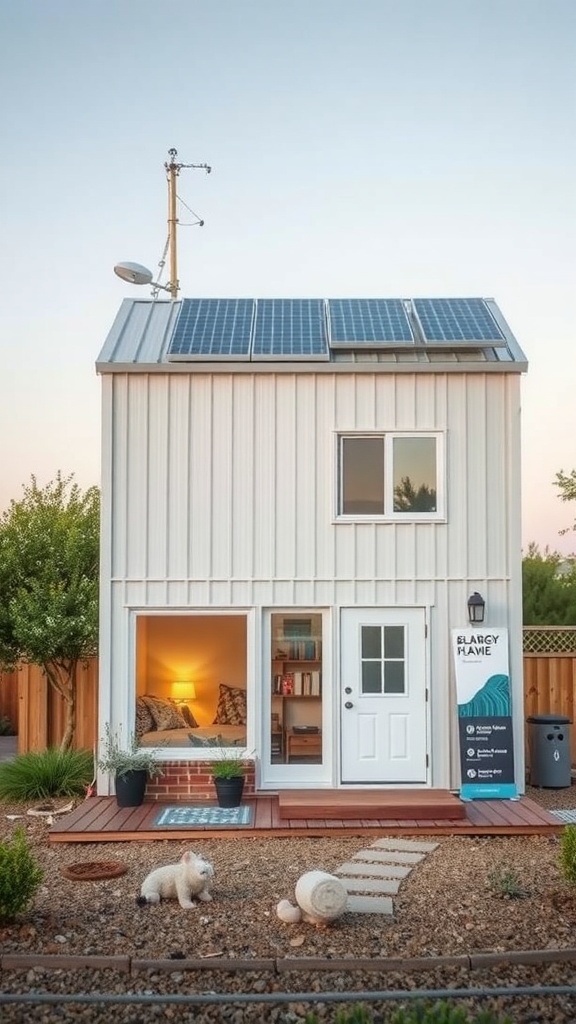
549	719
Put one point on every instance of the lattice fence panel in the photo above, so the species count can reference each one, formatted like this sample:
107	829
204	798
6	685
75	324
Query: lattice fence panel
549	639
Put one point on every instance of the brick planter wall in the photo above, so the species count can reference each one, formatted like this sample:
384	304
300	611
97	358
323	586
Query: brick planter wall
191	780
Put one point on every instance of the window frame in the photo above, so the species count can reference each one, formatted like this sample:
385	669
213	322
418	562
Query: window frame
389	514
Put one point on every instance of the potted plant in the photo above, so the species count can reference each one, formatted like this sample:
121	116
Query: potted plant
131	767
228	776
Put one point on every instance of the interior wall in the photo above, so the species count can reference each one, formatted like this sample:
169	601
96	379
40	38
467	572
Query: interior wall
204	649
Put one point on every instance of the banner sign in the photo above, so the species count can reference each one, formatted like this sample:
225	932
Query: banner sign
484	713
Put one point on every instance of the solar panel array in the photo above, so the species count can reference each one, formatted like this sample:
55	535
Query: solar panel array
310	329
451	321
290	329
368	322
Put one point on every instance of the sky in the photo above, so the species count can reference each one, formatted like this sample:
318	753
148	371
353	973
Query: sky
376	148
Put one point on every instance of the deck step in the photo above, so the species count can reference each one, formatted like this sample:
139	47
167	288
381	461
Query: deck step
393	804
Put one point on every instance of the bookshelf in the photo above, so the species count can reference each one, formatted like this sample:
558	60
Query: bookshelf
296	686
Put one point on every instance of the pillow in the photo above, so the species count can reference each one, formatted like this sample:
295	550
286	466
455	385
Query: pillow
144	721
165	714
187	716
231	708
204	741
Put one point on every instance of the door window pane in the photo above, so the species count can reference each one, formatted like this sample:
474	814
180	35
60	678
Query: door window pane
371	642
394	677
393	641
415	483
362	475
371	677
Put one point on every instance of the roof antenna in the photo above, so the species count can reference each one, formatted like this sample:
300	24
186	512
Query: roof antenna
135	273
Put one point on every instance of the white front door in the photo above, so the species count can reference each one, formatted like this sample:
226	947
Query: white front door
383	695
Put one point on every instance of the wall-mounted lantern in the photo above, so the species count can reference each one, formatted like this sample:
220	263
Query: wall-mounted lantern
476	606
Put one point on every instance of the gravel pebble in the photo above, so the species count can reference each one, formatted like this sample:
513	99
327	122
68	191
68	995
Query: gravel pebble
449	905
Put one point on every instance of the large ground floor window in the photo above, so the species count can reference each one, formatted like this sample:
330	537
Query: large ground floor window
191	681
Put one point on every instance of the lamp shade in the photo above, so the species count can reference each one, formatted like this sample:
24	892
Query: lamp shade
184	689
476	606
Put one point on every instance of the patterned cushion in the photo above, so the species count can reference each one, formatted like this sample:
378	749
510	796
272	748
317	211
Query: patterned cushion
165	714
144	720
231	708
187	716
204	741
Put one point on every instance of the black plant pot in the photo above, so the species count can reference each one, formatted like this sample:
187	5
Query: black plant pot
229	791
130	788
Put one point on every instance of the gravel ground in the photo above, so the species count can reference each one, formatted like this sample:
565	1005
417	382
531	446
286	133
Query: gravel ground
449	905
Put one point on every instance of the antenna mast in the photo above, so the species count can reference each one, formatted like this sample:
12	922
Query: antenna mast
172	172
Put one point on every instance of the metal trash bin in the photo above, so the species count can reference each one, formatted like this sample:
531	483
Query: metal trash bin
549	751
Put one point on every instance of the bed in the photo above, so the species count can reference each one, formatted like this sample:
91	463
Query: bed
201	736
160	722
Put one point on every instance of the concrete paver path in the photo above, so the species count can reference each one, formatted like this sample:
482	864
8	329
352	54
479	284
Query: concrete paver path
380	869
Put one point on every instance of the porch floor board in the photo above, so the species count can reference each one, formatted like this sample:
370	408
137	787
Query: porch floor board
100	820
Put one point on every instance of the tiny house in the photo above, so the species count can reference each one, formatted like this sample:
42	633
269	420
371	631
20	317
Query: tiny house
299	497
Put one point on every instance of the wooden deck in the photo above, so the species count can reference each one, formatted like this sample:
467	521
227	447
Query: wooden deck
100	820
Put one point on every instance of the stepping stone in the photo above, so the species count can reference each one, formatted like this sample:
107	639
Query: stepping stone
405	844
373	885
369	905
386	856
374	870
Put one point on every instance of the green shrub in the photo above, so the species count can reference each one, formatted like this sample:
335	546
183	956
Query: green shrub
417	1013
506	882
20	875
568	853
444	1013
46	773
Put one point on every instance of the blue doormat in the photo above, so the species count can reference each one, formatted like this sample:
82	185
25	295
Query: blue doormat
569	817
199	817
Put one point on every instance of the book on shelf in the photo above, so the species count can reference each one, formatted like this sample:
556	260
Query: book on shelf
299	650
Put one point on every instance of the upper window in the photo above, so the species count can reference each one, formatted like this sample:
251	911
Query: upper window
392	475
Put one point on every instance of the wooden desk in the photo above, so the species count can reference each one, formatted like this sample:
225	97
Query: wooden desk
303	743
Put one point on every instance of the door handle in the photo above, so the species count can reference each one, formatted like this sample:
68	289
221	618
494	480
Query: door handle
348	704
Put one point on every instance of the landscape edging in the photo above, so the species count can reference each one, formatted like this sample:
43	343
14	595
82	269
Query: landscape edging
133	965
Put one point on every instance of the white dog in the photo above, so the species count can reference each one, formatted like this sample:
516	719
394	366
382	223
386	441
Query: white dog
190	877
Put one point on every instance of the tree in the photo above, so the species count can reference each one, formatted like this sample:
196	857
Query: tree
49	557
566	483
408	499
548	596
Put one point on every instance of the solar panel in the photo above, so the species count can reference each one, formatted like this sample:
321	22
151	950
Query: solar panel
363	323
212	329
451	321
290	329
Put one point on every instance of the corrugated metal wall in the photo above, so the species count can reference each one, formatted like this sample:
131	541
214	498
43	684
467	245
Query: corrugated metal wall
232	478
224	491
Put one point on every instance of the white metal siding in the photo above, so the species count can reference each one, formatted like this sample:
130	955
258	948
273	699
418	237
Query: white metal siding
233	478
223	493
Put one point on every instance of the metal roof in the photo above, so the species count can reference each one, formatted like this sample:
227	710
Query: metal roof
140	337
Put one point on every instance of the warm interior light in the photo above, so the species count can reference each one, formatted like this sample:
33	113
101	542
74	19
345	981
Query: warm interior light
183	690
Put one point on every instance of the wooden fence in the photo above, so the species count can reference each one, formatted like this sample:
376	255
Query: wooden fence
37	712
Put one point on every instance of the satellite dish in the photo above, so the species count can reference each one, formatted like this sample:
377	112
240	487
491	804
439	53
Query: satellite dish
134	273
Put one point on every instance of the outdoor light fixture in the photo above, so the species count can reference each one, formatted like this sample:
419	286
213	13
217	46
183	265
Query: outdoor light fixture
183	691
476	606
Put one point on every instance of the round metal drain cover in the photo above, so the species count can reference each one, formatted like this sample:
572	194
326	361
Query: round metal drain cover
93	871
